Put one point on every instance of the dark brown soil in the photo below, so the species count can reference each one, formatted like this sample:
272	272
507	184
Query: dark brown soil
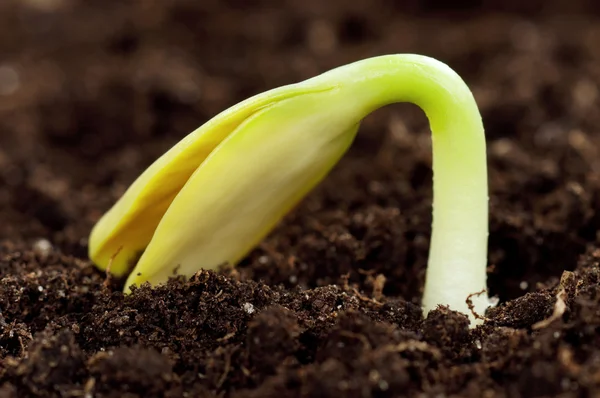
91	92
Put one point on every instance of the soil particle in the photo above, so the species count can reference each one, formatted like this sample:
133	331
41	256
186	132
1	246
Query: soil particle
449	331
52	362
272	339
131	372
524	311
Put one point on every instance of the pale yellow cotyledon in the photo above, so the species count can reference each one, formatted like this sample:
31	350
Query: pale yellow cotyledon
211	198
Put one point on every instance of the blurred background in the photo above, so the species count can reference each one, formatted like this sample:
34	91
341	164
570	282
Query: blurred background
92	91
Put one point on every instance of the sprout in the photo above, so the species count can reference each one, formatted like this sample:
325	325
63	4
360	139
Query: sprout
217	193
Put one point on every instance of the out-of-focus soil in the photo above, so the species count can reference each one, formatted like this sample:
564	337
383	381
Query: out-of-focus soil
91	92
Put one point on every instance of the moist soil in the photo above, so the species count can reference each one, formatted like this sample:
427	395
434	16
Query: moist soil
91	92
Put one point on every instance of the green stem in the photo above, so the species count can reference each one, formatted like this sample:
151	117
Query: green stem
458	251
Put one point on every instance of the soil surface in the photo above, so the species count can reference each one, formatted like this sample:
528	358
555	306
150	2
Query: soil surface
91	92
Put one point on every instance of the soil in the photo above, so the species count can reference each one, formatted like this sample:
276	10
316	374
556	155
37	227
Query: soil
91	92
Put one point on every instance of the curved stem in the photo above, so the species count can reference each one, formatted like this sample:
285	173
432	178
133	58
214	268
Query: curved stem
458	250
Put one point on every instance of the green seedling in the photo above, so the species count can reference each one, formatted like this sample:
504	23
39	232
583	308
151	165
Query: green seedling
216	194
